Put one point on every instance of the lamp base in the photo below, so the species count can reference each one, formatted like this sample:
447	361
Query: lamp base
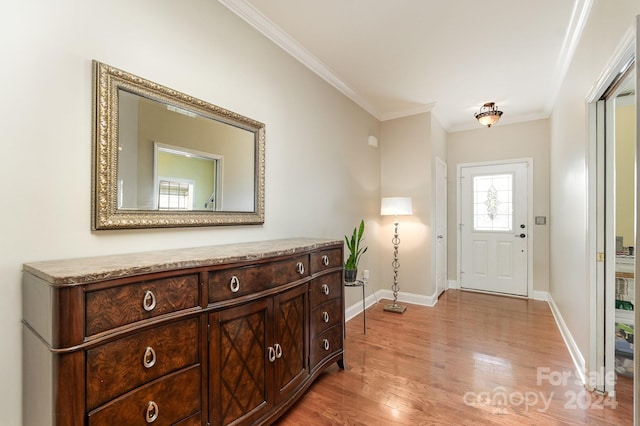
394	307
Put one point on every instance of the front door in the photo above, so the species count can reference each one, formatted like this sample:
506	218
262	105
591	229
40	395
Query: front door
494	228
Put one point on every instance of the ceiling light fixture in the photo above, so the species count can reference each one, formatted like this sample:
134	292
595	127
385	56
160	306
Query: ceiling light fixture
488	114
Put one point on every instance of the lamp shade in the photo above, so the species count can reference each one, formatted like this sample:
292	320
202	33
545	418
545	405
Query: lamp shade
489	119
396	206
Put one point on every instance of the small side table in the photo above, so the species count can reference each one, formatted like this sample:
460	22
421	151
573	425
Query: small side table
360	283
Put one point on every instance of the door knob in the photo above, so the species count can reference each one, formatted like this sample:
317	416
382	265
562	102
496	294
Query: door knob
440	236
521	235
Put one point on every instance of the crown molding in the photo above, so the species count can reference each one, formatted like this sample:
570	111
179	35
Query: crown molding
579	17
264	25
408	112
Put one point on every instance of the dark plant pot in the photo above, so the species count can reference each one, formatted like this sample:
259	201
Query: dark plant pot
350	275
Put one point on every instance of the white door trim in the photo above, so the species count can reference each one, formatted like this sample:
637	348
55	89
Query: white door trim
530	222
440	234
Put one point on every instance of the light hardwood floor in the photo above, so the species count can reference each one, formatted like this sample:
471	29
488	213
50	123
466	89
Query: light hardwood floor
473	359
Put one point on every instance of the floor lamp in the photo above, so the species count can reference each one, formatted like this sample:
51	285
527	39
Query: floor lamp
395	206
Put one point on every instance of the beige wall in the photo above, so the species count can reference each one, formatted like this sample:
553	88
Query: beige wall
409	147
321	175
404	172
568	286
503	142
625	170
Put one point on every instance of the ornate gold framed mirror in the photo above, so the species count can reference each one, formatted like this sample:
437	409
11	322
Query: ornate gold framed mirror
162	158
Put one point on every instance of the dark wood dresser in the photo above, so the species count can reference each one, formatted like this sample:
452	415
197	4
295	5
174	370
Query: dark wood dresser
219	335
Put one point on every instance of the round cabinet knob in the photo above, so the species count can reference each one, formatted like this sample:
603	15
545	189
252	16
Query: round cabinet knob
235	284
149	301
325	260
325	316
325	344
325	289
149	358
300	268
152	412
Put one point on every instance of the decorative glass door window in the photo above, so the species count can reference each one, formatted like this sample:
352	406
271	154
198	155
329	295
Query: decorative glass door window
175	195
493	203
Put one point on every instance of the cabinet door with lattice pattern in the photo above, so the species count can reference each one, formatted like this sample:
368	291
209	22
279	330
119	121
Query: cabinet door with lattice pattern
290	336
240	368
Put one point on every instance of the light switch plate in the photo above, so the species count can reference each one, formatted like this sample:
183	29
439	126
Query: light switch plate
541	220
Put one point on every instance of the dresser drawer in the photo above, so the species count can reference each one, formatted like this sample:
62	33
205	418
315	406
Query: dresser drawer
124	364
325	345
326	316
117	306
325	288
170	400
326	259
230	283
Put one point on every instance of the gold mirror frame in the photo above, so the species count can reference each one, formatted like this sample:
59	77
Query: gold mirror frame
107	80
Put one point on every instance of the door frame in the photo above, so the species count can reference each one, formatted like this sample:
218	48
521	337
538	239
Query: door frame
441	167
530	224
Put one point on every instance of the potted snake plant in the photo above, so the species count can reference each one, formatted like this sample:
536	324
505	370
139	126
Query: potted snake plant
355	252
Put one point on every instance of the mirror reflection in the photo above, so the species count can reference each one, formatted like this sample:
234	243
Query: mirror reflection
170	158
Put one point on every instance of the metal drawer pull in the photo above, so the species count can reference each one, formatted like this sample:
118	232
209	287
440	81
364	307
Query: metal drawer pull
235	284
278	350
149	359
325	343
325	289
300	267
325	316
152	412
272	354
325	260
149	301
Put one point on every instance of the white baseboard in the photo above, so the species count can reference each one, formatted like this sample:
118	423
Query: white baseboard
453	284
541	295
415	299
570	343
355	309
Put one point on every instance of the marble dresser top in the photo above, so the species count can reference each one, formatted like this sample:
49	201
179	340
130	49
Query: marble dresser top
90	269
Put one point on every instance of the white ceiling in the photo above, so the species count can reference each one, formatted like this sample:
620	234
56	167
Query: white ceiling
401	57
